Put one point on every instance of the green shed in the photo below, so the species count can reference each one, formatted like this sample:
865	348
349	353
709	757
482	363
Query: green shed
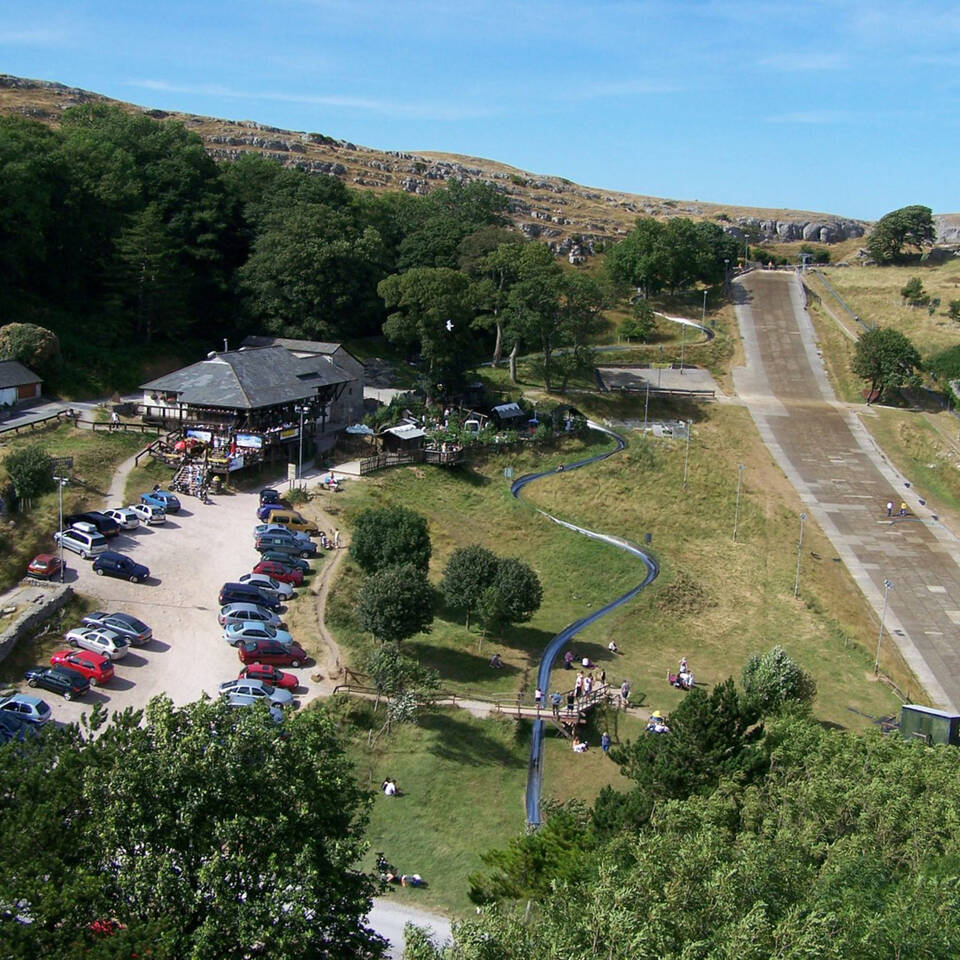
929	725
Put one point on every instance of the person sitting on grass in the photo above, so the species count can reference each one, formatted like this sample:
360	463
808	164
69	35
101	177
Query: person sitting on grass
389	787
579	746
496	662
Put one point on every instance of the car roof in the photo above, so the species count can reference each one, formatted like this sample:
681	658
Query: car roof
25	698
113	555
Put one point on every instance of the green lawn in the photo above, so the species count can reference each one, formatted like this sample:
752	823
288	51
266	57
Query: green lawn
716	602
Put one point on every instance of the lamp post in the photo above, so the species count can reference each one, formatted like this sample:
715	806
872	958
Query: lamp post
302	409
646	405
736	514
686	455
703	311
796	579
683	345
61	483
726	275
887	587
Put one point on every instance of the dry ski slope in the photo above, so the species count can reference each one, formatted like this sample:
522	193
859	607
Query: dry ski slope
845	482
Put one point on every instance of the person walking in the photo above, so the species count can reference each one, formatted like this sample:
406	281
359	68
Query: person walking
605	741
114	421
603	677
538	698
889	508
625	693
578	686
570	702
587	684
336	539
903	508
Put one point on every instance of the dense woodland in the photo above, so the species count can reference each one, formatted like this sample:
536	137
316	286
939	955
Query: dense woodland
122	236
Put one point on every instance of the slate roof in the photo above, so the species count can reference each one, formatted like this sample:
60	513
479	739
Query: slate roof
295	346
14	374
506	411
249	379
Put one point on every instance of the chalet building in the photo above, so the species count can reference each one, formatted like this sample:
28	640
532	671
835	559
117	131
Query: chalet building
17	383
248	404
347	409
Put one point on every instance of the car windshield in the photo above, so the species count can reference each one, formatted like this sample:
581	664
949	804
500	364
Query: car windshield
43	708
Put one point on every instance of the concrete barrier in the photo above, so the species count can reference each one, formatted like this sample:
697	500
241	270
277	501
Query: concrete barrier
39	602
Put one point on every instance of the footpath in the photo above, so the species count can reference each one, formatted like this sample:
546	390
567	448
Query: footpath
844	481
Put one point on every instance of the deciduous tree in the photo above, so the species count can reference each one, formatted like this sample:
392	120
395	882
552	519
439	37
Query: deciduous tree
395	603
911	226
886	359
390	536
468	572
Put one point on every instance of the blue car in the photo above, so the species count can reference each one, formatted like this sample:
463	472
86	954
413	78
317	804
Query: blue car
161	498
116	564
264	511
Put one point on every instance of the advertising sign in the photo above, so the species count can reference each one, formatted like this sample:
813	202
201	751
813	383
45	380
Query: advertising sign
205	435
251	440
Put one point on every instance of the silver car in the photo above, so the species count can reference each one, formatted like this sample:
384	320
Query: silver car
125	516
247	613
271	587
243	692
108	643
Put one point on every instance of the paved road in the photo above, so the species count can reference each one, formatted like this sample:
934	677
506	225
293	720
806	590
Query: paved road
389	918
844	480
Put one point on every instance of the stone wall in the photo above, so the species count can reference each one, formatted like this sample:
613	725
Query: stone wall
38	603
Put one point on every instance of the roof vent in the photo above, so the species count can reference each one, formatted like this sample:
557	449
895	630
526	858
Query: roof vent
212	355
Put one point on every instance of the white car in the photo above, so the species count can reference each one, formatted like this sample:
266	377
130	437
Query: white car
247	613
266	583
108	643
148	513
125	516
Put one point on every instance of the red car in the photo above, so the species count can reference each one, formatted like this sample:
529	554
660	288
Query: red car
271	652
95	667
280	571
269	674
46	566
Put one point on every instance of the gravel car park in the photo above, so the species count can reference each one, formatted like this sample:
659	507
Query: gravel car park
186	655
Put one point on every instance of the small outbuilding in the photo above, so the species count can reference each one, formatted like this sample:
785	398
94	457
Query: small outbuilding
403	438
929	725
17	383
508	416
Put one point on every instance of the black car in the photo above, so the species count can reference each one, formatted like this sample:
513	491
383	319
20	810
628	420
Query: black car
104	524
136	631
68	683
269	495
120	565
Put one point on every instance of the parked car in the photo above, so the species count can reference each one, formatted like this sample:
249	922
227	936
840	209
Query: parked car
125	516
248	593
288	559
82	541
267	584
242	692
97	668
149	513
68	683
45	566
98	640
277	529
26	707
270	674
164	499
101	522
285	543
294	521
120	565
235	633
15	727
271	652
265	509
136	631
280	571
247	613
269	495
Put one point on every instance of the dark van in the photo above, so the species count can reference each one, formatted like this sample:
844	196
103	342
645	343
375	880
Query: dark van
247	593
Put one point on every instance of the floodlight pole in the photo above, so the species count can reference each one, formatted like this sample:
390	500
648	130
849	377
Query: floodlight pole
736	514
646	405
686	456
796	579
887	587
703	312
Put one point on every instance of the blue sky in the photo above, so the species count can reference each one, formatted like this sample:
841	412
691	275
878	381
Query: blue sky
843	107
